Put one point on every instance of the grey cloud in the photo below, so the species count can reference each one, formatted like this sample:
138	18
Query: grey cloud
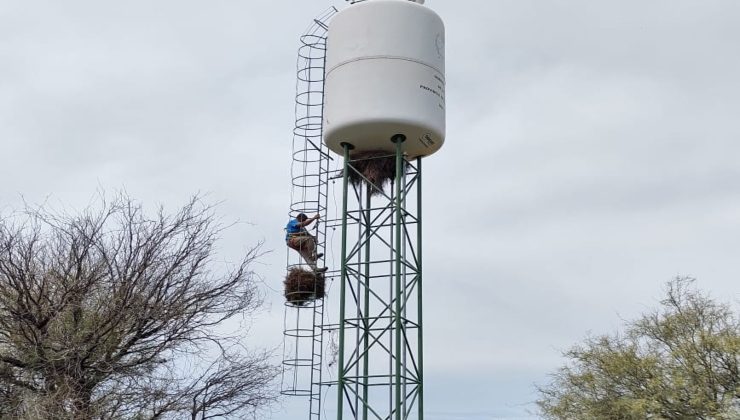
591	155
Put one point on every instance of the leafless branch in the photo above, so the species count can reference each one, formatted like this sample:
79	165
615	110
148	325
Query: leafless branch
96	308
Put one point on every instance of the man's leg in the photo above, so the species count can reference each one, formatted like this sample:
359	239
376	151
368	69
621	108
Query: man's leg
307	249
308	252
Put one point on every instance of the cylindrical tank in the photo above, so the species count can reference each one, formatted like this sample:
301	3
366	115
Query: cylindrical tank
385	76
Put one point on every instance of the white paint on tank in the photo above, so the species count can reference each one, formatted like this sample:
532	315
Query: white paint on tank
385	76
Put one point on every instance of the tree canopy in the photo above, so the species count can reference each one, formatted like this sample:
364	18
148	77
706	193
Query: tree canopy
677	362
112	314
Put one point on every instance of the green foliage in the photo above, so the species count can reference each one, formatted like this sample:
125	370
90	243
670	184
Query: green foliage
678	362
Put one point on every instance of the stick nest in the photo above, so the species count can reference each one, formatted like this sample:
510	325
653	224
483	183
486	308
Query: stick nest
378	167
303	286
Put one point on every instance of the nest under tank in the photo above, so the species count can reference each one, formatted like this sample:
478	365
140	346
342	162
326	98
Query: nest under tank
374	168
303	286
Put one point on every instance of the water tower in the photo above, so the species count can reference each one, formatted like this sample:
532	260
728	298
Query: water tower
382	108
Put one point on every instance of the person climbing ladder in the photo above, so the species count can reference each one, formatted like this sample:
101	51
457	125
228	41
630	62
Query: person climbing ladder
298	238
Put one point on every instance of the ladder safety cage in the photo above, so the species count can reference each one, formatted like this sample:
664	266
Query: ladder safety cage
303	322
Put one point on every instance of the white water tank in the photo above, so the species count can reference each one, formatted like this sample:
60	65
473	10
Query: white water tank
385	64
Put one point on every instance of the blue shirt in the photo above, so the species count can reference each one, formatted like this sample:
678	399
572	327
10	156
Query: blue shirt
292	228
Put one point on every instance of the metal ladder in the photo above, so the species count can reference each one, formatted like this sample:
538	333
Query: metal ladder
310	168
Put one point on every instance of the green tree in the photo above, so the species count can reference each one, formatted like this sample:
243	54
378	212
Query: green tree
111	314
677	362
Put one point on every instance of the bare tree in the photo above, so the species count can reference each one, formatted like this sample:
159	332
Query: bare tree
109	314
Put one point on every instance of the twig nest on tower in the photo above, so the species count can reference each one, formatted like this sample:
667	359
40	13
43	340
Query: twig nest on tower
303	286
375	168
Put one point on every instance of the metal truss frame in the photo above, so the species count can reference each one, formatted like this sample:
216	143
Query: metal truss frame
380	359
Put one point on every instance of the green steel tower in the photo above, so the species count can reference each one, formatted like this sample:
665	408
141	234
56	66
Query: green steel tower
371	86
380	359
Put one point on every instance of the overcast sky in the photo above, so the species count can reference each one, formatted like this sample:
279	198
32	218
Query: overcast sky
591	155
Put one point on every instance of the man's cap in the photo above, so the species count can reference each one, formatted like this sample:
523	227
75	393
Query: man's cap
301	216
